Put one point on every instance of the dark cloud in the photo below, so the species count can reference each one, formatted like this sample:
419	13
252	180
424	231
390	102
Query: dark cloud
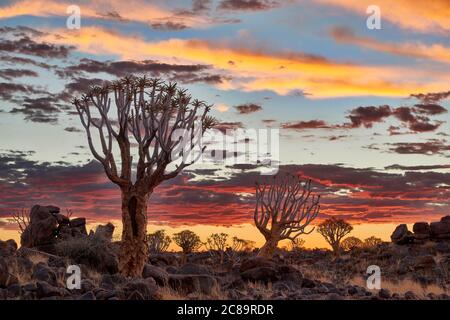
41	110
367	116
361	194
414	118
9	74
168	26
430	108
417	168
431	147
301	125
122	68
247	5
25	45
9	91
11	60
72	129
432	97
248	108
224	126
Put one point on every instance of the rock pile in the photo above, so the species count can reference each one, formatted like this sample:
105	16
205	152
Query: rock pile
47	225
422	231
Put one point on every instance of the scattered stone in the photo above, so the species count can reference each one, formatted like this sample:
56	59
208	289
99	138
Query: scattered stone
402	235
158	274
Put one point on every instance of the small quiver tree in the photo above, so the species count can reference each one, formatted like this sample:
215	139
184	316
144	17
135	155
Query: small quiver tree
188	241
333	230
158	242
217	244
284	208
351	243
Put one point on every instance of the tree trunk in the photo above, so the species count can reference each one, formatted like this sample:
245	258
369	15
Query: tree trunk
134	250
336	249
268	250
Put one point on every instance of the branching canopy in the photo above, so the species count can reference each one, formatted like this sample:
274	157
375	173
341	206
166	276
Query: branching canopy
285	207
147	114
333	230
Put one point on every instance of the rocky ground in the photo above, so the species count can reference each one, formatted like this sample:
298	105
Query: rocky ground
411	270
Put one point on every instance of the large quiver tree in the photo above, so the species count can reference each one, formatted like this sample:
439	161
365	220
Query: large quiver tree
155	120
284	208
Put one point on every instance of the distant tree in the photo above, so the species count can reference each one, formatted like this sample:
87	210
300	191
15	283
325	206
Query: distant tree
350	243
188	241
148	118
284	208
158	241
372	242
217	243
22	219
333	230
297	244
242	245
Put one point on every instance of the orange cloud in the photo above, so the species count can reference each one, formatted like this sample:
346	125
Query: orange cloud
255	70
425	16
435	52
131	10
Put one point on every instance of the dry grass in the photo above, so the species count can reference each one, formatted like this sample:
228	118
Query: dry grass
168	293
402	286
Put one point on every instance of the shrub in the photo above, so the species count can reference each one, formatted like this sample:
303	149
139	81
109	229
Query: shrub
158	241
93	251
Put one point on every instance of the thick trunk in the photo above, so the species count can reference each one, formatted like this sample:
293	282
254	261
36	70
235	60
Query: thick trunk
268	250
336	249
134	250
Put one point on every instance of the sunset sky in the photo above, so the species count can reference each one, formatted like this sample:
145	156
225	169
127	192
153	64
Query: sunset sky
363	113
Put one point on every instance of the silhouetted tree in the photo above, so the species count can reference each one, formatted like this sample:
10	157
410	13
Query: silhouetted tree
284	208
297	244
217	243
242	245
150	115
333	230
158	241
372	242
22	219
188	241
350	243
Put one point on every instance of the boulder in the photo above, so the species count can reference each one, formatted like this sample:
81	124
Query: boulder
77	227
440	230
192	268
424	263
158	274
145	288
105	231
5	276
402	235
45	290
42	272
256	262
7	248
421	228
261	274
193	283
445	219
42	228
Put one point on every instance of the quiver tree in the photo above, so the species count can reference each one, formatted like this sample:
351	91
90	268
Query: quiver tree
217	244
351	243
158	121
297	244
284	208
372	242
333	230
158	241
188	241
